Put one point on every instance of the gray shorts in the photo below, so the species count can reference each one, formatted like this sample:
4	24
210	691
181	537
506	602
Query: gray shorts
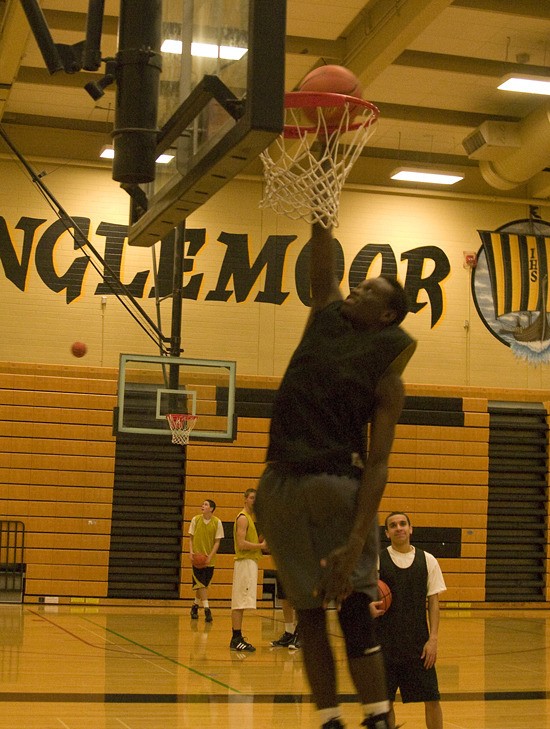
304	518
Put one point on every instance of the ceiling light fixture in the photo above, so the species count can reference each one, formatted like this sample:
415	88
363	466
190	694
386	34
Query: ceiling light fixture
164	159
432	177
205	50
525	84
108	152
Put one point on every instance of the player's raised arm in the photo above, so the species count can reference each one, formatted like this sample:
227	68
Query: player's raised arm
324	281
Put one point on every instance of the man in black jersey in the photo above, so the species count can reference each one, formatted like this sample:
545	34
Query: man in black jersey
408	631
317	508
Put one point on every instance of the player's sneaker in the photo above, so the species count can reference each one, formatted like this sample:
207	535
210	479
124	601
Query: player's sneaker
378	722
207	615
333	724
195	612
284	641
240	644
294	644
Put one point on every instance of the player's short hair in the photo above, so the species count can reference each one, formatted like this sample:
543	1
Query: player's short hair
398	300
248	492
212	504
394	513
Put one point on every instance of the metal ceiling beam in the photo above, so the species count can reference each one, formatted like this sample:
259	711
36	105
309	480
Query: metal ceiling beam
428	158
40	76
525	8
13	39
463	64
442	117
70	20
58	122
333	51
81	147
383	30
396	112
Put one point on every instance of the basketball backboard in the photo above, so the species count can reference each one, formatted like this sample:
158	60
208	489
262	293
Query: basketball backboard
151	387
220	103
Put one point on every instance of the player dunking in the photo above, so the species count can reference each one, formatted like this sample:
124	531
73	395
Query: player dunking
317	509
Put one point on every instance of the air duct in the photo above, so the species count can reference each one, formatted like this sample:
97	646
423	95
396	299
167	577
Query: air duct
531	157
492	140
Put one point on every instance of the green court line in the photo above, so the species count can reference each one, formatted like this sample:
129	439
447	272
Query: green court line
160	655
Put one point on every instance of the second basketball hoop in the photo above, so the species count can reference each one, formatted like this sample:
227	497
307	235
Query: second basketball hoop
181	425
307	166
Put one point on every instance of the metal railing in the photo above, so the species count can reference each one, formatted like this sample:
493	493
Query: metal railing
12	561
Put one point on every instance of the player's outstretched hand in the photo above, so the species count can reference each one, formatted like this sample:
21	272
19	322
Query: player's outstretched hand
335	583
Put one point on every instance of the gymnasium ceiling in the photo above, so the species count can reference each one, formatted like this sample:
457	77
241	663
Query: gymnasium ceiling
432	67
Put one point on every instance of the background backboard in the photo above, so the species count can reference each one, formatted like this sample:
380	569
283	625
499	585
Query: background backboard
220	103
150	387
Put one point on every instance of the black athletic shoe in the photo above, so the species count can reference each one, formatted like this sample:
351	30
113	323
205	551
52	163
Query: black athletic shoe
207	615
240	644
294	644
195	612
333	724
378	722
284	641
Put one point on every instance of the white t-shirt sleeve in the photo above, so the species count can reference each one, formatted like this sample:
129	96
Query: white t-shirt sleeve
219	531
192	526
436	583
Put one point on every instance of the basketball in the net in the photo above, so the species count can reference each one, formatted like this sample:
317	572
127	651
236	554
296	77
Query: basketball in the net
384	595
79	349
199	560
335	80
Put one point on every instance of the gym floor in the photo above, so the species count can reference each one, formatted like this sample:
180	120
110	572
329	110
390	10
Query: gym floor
94	667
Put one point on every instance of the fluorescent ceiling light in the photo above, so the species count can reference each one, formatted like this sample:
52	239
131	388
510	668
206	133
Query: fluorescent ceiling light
164	159
171	46
526	84
205	50
108	152
433	177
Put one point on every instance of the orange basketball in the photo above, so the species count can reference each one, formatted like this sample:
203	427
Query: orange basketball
199	560
335	80
384	595
79	349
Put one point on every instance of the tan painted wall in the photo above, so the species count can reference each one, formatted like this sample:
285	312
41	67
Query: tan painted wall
44	479
39	325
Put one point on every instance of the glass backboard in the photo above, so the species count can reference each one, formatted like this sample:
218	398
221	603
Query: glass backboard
151	387
220	103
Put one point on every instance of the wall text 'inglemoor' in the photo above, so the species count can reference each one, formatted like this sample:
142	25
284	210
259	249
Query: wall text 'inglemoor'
237	277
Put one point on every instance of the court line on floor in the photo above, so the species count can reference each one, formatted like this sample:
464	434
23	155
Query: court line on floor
152	651
161	655
203	698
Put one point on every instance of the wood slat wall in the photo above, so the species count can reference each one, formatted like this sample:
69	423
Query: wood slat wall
57	463
56	473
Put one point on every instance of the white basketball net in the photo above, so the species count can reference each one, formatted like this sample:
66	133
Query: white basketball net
181	426
304	178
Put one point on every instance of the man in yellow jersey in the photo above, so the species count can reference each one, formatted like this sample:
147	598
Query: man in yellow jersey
248	550
205	535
